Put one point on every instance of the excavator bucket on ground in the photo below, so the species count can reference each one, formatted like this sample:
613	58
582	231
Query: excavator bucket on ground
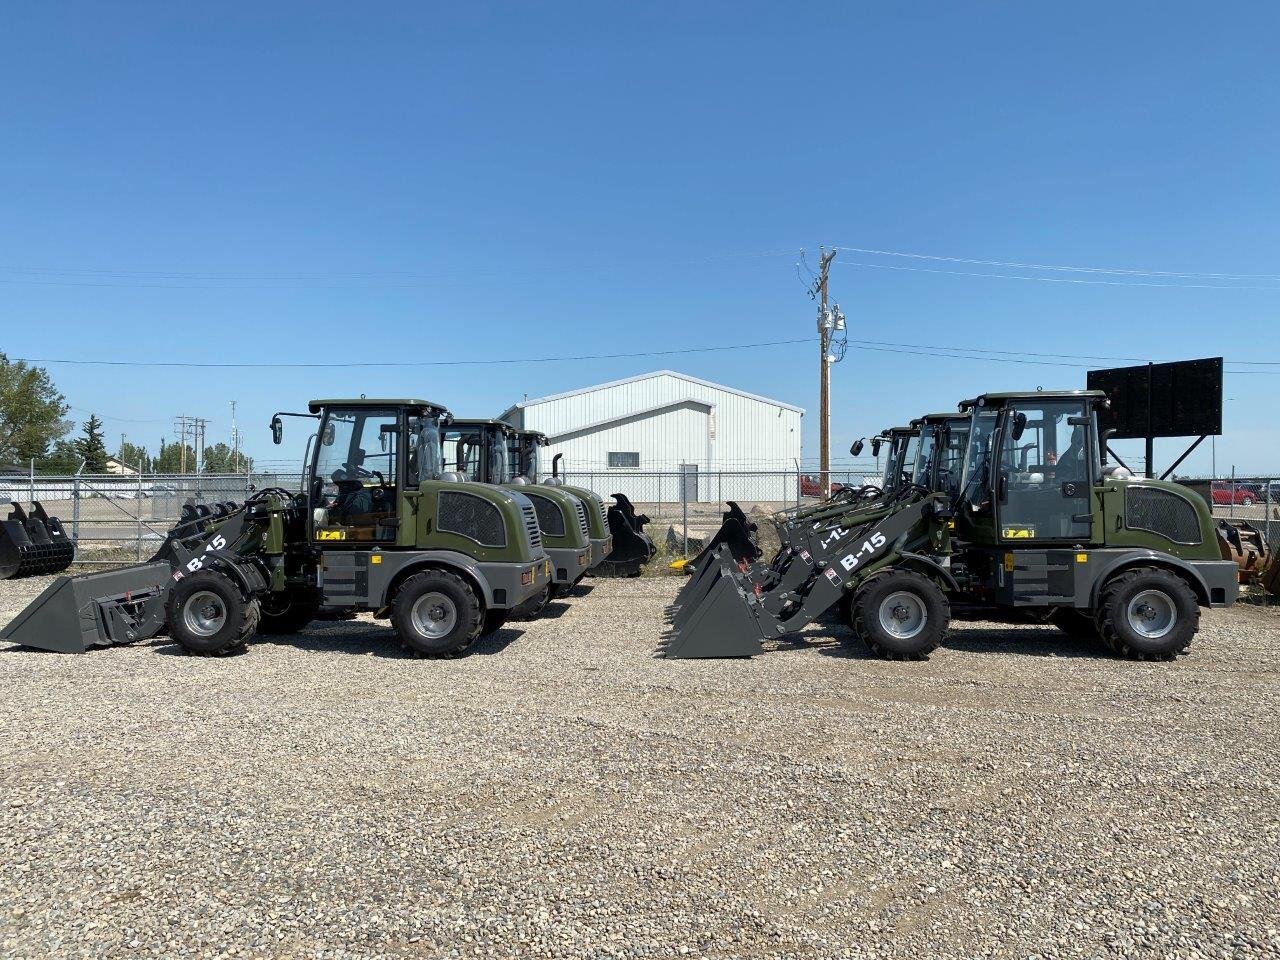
632	547
737	532
33	544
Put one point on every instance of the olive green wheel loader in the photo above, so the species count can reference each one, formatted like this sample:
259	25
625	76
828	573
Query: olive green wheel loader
1038	527
378	526
482	450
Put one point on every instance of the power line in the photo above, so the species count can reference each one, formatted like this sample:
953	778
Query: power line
1121	271
415	363
1105	283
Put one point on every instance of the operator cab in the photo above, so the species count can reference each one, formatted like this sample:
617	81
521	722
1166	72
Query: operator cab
522	450
366	453
478	450
902	443
1032	463
940	452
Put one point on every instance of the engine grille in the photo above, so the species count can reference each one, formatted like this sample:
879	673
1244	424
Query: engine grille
604	514
550	516
468	515
582	520
1161	512
531	524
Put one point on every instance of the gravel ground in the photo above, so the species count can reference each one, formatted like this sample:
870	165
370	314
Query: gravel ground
560	793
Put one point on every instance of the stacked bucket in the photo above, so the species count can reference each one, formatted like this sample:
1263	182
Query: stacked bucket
33	544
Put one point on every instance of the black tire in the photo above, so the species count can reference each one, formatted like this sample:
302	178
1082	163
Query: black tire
1247	501
436	614
209	616
288	612
494	621
925	615
1147	614
532	608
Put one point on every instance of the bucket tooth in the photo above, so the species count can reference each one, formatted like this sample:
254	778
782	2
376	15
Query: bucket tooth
722	625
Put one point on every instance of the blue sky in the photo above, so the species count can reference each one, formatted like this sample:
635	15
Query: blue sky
329	183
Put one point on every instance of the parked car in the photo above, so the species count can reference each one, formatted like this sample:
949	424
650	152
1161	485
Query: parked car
1243	492
811	487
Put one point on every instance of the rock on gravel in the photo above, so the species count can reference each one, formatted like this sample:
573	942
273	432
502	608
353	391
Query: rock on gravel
560	793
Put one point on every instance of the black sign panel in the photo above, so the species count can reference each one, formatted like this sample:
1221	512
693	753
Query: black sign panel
1182	399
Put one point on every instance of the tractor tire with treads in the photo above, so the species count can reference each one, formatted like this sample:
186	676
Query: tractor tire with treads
208	615
437	614
900	615
1147	614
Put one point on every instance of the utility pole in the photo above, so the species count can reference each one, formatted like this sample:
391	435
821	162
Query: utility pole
235	438
825	325
195	427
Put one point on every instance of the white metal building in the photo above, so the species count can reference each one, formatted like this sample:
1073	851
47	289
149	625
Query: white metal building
620	435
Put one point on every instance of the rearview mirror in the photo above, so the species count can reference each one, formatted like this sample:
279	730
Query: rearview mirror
856	449
277	430
1019	425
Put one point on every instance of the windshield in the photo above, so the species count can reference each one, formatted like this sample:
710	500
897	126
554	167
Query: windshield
922	469
981	427
523	454
951	463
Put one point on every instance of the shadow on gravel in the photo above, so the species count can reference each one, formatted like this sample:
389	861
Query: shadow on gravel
553	610
1024	642
579	590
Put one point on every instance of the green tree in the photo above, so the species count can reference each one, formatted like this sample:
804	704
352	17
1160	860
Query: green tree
32	412
220	458
90	446
134	456
170	459
63	458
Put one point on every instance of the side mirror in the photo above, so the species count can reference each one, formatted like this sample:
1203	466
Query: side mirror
856	449
277	430
875	446
1019	425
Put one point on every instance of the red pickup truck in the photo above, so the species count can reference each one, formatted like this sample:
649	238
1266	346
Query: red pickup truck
810	487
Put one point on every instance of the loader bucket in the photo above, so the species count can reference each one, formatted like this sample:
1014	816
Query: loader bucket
720	625
704	573
73	614
33	544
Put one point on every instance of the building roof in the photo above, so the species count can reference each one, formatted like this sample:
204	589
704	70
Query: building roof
524	404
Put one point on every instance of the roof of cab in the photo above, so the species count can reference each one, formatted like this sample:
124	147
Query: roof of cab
315	406
998	398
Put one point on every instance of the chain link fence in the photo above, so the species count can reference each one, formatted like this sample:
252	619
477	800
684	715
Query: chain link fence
121	518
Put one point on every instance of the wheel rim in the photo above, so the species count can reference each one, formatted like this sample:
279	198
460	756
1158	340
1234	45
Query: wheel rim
204	613
1152	614
434	615
903	615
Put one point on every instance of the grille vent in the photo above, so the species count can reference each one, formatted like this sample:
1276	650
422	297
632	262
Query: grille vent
531	524
468	515
1161	512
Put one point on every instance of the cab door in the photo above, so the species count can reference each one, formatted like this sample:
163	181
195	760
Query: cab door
356	478
1046	473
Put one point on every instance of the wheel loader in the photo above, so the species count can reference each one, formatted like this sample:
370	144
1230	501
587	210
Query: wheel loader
1038	527
481	451
378	526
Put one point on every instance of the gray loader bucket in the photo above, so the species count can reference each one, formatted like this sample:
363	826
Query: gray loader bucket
719	624
74	614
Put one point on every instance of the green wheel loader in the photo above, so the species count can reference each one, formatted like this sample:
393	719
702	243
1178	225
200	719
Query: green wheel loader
524	453
481	450
1039	528
378	526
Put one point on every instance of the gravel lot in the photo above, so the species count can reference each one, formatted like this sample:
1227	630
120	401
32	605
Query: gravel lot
560	793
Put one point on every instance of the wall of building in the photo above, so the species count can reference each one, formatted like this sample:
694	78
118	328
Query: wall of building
669	421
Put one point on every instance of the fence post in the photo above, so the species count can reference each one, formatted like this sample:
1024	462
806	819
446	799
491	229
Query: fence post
684	509
32	488
75	506
1233	491
137	509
